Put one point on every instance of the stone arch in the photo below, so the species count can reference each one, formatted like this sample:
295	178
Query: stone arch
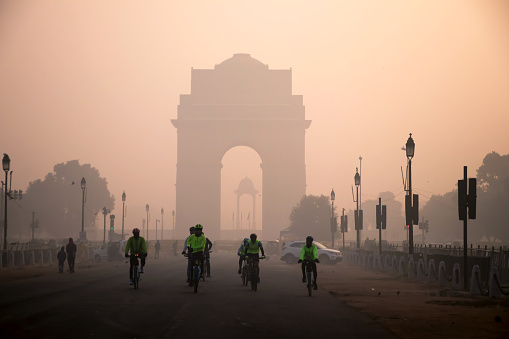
240	102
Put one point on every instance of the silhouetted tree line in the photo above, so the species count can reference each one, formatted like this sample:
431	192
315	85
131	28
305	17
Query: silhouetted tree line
57	202
311	216
492	223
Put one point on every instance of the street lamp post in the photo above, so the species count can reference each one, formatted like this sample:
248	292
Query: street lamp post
410	149
332	198
162	218
83	235
147	208
173	215
6	164
123	213
156	227
358	219
105	212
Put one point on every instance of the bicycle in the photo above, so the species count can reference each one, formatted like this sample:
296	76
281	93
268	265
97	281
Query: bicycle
206	265
253	272
195	271
136	272
244	276
309	280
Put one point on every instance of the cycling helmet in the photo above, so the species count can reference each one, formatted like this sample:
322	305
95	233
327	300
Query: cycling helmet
198	226
309	238
136	230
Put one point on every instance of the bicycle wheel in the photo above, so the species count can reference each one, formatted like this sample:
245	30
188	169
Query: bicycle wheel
196	277
309	283
254	280
135	277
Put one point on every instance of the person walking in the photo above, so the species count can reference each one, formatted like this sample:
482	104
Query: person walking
157	248
71	254
61	259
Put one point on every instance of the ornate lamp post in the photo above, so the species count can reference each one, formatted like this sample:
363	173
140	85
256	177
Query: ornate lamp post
173	215
147	208
162	216
410	149
357	180
332	225
83	234
105	213
6	164
123	213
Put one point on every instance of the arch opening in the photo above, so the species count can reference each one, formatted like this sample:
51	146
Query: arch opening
241	193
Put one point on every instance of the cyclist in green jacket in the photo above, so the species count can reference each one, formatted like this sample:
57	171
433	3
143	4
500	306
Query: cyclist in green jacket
252	250
196	245
136	245
309	253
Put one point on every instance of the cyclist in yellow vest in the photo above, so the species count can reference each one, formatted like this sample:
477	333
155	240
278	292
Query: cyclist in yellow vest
241	253
196	245
136	245
309	253
252	250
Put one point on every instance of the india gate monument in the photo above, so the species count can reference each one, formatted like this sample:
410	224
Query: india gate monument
241	102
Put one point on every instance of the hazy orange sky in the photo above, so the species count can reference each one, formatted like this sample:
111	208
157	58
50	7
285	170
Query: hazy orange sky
99	81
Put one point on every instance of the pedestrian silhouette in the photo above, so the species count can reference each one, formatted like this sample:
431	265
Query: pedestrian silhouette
71	254
61	260
157	248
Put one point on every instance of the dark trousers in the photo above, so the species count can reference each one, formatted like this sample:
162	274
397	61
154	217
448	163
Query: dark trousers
61	266
133	262
70	261
313	264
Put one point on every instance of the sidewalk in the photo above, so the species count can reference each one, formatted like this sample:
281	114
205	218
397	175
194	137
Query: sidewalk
414	309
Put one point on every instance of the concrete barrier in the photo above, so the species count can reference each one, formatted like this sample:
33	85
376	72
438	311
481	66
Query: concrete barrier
475	281
412	274
402	271
456	277
421	272
442	275
432	273
494	289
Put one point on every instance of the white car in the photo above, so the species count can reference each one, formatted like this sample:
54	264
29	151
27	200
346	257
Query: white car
290	253
111	250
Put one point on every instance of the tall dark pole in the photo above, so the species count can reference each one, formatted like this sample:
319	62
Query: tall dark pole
465	275
147	208
332	226
6	163
380	230
83	187
123	213
410	150
358	226
105	212
343	230
411	226
162	218
173	215
358	231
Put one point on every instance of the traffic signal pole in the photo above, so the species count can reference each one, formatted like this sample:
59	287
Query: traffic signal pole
465	275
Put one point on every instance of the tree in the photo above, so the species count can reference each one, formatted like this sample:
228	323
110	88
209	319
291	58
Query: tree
57	200
311	216
492	201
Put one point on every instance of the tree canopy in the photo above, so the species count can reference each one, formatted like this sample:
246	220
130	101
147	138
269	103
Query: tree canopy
311	216
492	220
57	201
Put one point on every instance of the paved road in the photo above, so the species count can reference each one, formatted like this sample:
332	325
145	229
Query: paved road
97	302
